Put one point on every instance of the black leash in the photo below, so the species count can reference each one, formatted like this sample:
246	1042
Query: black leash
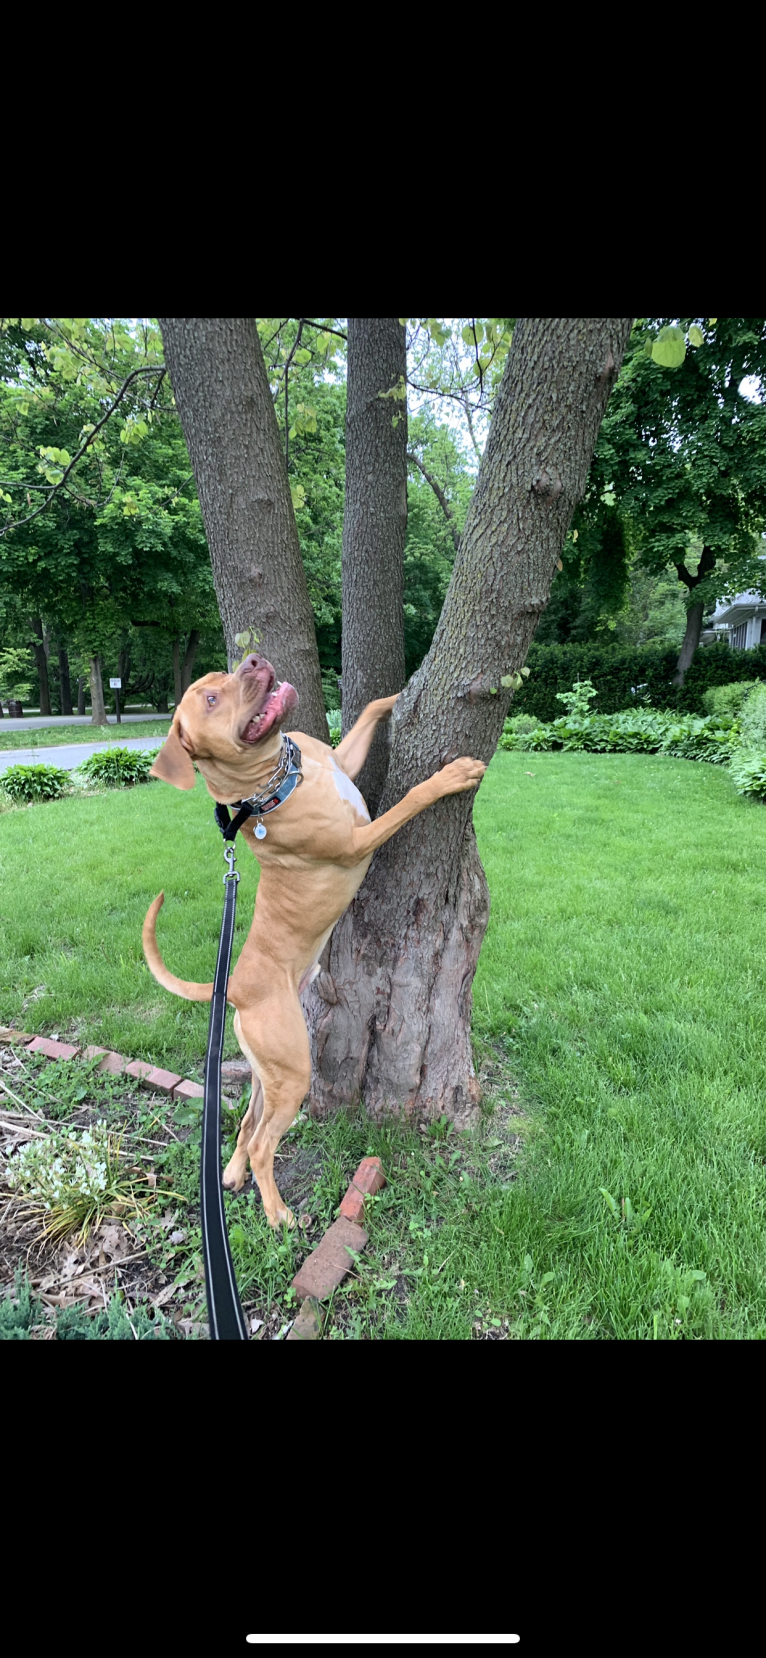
225	1317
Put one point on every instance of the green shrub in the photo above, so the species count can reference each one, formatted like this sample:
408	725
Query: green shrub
119	767
521	723
334	725
30	783
18	1314
748	773
577	701
330	690
639	731
144	1324
752	719
727	699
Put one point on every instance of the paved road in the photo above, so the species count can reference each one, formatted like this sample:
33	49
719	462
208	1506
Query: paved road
41	722
68	755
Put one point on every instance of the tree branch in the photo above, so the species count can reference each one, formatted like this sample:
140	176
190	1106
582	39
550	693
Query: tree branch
706	564
54	488
440	496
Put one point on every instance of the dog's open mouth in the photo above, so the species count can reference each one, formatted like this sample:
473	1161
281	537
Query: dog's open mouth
279	700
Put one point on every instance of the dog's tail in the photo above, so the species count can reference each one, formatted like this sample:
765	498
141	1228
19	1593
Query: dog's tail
180	987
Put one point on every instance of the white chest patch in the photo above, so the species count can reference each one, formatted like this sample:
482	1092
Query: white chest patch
349	791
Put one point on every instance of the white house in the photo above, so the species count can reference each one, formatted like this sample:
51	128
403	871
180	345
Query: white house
742	620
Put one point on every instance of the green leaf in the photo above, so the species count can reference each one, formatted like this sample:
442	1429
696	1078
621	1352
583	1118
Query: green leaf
302	356
467	335
669	349
609	1200
696	336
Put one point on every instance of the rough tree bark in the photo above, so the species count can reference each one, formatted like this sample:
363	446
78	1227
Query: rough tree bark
374	528
81	694
227	414
41	663
98	708
694	613
389	1016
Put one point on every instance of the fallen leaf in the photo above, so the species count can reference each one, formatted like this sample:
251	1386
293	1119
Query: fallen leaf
177	1237
255	1324
164	1295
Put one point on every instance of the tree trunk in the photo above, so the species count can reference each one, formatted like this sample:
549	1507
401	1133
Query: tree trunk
225	406
64	680
41	663
374	528
177	689
81	694
98	710
390	1016
190	653
691	640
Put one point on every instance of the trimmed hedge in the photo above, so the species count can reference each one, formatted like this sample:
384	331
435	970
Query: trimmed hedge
615	672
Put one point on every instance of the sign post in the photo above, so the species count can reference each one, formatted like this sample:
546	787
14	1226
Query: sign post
116	686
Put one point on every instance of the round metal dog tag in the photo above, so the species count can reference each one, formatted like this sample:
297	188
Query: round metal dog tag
260	831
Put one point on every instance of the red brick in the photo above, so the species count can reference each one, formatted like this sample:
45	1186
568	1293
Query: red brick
138	1068
327	1265
369	1176
112	1064
352	1206
308	1324
52	1050
236	1070
163	1081
188	1091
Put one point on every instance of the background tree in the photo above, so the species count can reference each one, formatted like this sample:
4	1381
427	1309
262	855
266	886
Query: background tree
682	455
96	553
390	1013
374	529
227	413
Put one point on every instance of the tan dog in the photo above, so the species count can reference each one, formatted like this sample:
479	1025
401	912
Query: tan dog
316	853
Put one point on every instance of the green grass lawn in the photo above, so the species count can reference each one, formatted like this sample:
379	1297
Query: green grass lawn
52	736
621	985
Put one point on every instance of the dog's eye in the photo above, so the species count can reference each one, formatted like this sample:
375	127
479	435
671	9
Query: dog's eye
211	700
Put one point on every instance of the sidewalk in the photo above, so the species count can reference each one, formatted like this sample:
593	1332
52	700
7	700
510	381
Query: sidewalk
67	755
40	722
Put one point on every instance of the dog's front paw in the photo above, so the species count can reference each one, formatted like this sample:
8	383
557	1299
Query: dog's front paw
461	774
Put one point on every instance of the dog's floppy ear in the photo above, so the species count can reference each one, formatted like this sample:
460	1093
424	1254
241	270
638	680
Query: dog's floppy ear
173	764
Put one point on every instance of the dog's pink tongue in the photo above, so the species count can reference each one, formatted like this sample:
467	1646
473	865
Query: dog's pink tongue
286	695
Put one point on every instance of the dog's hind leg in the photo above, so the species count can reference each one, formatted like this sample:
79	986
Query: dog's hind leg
236	1168
274	1030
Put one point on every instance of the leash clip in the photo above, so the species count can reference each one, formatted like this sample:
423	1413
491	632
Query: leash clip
231	858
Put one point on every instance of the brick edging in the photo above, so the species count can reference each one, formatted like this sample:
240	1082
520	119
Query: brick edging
330	1261
112	1064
